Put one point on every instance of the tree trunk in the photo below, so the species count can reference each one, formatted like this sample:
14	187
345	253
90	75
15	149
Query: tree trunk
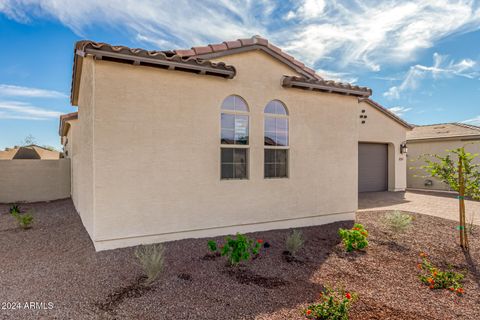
461	199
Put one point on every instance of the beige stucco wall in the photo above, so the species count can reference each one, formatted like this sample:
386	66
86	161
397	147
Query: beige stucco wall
379	128
156	154
82	157
26	180
70	145
416	176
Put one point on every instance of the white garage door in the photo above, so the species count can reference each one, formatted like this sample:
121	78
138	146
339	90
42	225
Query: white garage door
372	167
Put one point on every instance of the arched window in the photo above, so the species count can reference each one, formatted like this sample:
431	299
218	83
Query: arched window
234	138
276	140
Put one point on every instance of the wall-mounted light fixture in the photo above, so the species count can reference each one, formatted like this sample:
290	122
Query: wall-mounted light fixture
403	148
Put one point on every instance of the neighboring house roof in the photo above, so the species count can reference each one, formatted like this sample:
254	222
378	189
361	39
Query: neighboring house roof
28	152
387	112
197	59
444	131
64	118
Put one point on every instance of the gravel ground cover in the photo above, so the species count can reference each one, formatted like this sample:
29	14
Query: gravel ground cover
55	262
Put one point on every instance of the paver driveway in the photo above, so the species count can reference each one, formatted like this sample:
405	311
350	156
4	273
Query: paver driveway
440	204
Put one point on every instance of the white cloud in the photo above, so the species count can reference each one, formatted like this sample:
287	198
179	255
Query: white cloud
358	34
26	111
475	121
399	111
441	68
311	9
18	91
337	76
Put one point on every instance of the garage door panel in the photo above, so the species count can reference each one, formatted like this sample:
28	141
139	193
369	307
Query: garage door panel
372	167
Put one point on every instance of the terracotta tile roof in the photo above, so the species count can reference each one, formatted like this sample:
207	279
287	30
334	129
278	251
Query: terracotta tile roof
387	112
156	55
325	86
256	42
198	60
444	131
63	120
161	59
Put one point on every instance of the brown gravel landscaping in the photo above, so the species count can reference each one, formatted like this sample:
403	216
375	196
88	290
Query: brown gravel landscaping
56	262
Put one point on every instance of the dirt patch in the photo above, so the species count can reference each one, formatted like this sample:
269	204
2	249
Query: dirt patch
245	276
288	257
135	290
185	276
211	256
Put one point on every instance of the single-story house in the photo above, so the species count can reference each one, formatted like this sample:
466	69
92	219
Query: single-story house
29	152
437	139
231	137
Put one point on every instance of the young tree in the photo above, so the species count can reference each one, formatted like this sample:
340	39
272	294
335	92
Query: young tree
29	140
458	170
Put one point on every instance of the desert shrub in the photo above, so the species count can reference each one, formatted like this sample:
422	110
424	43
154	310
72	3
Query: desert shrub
294	242
212	245
332	305
24	220
398	221
151	259
354	238
14	209
437	279
238	249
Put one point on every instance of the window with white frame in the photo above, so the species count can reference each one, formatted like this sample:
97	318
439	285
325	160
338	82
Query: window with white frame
276	140
234	138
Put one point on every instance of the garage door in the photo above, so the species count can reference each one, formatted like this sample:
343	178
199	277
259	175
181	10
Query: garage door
372	167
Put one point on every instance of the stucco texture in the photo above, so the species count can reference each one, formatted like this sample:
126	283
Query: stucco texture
28	180
379	128
416	176
82	154
153	173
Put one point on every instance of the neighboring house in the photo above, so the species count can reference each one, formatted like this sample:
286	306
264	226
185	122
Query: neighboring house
230	137
29	152
437	139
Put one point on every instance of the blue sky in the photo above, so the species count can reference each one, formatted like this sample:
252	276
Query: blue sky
422	59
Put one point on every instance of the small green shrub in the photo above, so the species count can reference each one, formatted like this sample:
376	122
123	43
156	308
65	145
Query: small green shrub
238	249
151	259
333	305
212	245
294	242
14	209
398	221
355	238
437	279
24	220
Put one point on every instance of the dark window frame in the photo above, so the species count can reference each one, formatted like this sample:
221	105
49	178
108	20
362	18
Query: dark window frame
271	112
229	109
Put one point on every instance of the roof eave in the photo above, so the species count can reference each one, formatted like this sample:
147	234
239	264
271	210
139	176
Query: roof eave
77	73
288	82
138	57
64	119
295	67
460	137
